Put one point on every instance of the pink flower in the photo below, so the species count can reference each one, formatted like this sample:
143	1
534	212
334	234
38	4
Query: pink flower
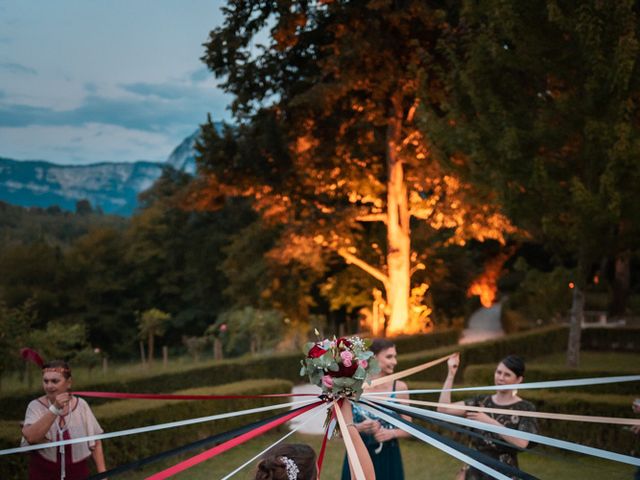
363	363
327	381
347	357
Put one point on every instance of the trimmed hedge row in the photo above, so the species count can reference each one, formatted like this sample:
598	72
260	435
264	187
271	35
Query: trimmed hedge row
528	344
123	414
611	339
218	373
605	436
483	375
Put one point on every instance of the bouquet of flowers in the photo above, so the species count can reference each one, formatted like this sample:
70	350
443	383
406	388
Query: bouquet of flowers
339	366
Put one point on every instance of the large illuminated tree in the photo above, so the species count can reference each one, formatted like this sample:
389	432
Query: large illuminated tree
326	96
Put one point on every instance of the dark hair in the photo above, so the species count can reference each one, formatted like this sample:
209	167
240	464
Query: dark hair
380	344
273	467
515	364
60	366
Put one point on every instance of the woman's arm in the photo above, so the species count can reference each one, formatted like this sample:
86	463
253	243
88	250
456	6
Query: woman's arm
445	396
98	457
36	432
361	449
386	434
484	418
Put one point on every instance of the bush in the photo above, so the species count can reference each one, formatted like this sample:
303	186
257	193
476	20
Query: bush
124	414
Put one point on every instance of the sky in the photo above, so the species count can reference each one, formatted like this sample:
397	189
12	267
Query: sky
85	81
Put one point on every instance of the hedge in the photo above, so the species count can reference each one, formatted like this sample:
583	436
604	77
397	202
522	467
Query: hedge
123	414
605	436
625	339
285	366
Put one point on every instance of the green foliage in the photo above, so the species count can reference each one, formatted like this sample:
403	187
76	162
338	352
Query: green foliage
543	297
251	330
15	325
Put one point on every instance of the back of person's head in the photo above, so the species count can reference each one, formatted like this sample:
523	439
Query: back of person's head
380	344
515	364
288	461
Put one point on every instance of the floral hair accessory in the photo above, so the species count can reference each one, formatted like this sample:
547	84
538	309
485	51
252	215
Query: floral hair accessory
339	366
291	468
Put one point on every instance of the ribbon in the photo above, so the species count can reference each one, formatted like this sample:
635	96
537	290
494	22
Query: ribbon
323	447
521	413
532	437
433	442
223	447
217	438
281	439
408	371
578	382
484	458
150	428
167	396
348	443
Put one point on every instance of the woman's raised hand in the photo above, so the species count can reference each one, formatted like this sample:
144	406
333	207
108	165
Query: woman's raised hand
453	363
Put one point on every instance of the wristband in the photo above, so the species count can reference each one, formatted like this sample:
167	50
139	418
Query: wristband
53	409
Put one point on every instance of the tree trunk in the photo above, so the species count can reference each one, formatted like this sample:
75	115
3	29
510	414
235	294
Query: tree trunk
398	288
575	327
150	352
143	358
621	284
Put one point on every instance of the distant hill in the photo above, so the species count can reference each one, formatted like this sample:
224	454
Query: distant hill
111	187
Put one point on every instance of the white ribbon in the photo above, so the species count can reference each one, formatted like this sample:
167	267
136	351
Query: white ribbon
445	448
524	386
316	411
511	432
152	428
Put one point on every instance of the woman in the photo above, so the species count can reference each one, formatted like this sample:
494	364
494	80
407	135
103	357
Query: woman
58	415
380	437
298	461
510	371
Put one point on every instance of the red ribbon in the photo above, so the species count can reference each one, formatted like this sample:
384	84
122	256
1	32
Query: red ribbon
324	445
164	396
223	447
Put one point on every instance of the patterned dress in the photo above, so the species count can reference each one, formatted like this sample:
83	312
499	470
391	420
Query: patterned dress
487	444
386	458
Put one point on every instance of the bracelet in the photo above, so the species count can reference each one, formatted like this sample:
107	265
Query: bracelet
352	425
53	409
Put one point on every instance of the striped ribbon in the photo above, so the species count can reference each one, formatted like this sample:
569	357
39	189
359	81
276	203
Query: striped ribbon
495	463
213	439
358	472
152	428
409	371
166	396
578	382
223	447
521	413
320	409
532	437
435	443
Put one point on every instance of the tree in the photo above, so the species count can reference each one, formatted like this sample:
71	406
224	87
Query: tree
15	324
543	107
152	323
327	145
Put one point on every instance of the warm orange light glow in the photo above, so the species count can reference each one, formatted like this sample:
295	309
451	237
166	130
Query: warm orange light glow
485	286
572	285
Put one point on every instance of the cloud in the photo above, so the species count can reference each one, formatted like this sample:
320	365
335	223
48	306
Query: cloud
17	68
200	75
152	108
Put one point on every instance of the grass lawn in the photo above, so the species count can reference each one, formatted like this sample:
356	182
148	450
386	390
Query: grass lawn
421	461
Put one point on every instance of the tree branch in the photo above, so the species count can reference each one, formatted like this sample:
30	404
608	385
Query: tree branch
372	217
371	270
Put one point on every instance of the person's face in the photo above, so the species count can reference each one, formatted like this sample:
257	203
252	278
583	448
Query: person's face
387	360
54	384
504	376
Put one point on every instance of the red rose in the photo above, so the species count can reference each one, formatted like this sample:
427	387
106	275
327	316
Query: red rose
344	371
316	351
345	342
